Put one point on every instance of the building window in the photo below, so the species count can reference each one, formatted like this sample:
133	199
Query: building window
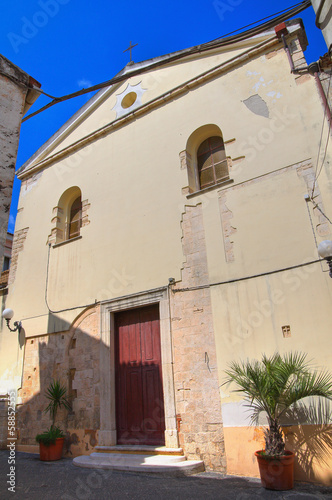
212	162
69	216
205	159
75	219
6	263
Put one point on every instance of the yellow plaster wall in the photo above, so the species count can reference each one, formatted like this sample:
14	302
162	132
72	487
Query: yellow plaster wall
102	264
242	442
122	248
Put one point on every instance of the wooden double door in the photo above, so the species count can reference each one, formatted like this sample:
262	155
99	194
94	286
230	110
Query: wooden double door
139	393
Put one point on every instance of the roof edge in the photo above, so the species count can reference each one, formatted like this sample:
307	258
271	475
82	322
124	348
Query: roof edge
134	69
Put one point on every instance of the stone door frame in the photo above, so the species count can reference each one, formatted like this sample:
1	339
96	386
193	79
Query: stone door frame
107	432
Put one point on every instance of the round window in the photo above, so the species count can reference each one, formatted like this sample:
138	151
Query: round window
128	100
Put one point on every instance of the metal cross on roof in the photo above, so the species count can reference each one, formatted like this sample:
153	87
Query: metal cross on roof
130	48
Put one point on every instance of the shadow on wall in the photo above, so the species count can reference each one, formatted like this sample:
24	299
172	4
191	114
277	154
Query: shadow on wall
312	442
56	324
72	357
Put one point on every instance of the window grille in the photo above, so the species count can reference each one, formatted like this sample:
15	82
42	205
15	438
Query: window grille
75	219
212	162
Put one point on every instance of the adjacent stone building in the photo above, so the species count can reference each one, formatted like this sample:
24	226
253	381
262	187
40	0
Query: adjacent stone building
18	93
6	260
178	216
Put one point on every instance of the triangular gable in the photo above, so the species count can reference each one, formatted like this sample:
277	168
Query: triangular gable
139	84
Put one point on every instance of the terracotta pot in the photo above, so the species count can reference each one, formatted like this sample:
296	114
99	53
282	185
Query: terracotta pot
52	452
277	473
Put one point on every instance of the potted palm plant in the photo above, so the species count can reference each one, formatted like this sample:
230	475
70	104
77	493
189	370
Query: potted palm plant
274	386
51	441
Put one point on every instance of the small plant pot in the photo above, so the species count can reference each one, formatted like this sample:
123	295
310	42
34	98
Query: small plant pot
51	452
277	473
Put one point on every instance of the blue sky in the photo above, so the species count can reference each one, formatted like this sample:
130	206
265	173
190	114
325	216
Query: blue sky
70	44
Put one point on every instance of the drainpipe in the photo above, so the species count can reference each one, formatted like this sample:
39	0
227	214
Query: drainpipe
314	70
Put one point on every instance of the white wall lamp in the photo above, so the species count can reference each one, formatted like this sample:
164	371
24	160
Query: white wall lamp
7	315
325	251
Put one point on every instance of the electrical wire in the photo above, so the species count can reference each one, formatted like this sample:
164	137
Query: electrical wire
327	141
24	85
323	24
14	80
318	12
321	211
318	153
37	89
236	280
263	19
313	232
97	302
320	144
46	290
218	42
328	135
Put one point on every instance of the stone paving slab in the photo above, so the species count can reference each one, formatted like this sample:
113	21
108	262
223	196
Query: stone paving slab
61	480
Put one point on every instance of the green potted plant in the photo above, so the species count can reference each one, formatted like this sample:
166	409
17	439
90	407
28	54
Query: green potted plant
274	386
51	441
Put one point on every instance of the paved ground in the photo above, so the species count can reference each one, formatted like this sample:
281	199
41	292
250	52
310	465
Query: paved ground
61	480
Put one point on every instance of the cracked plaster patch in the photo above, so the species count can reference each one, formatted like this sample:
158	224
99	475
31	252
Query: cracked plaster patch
129	99
257	105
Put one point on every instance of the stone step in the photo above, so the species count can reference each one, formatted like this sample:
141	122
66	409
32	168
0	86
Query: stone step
145	450
163	464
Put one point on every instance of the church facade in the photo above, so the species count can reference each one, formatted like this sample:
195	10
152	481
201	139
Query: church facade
168	228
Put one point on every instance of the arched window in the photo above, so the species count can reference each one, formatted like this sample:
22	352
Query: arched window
75	218
211	162
205	159
69	216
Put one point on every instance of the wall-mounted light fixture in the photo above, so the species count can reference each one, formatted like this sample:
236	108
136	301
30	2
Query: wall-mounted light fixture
8	314
325	251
